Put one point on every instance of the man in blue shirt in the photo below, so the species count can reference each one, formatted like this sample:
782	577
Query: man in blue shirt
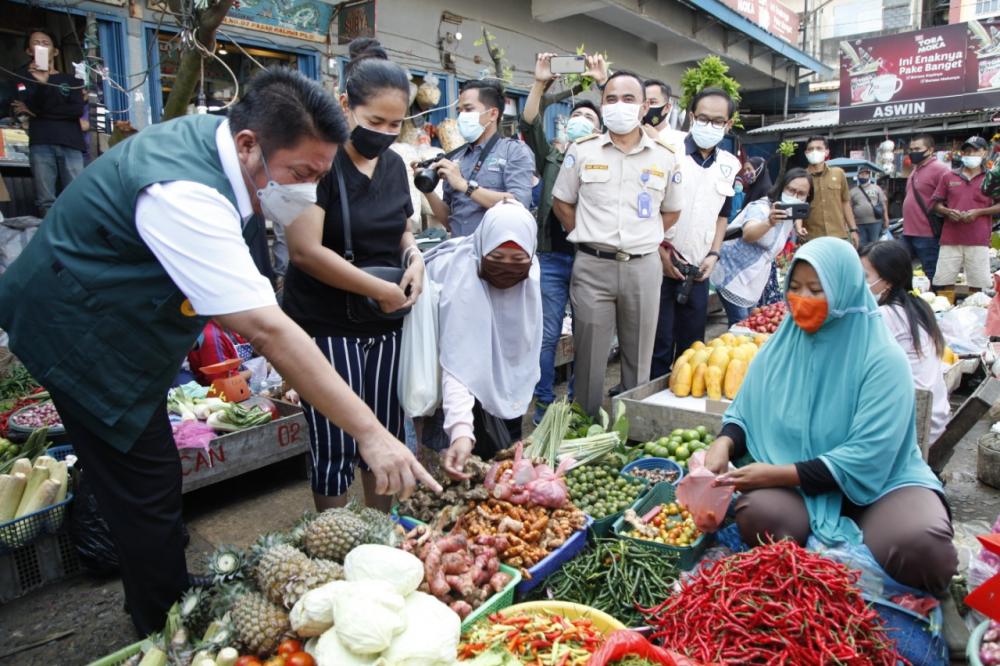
489	169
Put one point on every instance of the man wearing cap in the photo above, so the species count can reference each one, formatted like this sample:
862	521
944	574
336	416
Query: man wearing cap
871	210
968	221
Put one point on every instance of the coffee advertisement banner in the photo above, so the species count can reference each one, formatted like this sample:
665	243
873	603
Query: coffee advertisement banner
938	70
772	15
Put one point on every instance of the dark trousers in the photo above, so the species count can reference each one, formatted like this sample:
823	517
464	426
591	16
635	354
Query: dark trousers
679	326
925	249
139	495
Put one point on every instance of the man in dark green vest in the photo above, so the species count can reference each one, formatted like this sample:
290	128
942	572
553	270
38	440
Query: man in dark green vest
128	266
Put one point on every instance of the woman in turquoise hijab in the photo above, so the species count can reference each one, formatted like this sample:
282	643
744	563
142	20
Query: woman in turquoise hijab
827	411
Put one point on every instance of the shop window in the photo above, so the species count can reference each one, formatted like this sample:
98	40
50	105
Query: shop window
987	7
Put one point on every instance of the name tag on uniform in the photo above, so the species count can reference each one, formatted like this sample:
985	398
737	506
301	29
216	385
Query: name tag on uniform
595	167
654	172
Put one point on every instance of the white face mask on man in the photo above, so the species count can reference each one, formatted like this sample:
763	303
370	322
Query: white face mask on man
282	204
621	117
816	156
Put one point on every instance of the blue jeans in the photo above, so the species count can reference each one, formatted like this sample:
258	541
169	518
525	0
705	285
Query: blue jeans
52	165
925	249
557	269
734	313
869	233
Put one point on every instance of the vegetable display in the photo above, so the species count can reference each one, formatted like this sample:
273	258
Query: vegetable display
425	505
39	415
599	491
521	482
715	369
566	432
235	416
765	319
617	577
221	415
536	639
17	383
14	407
679	446
777	603
655	475
989	649
36	445
670	524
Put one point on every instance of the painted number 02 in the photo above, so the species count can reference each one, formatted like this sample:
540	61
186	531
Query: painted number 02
288	433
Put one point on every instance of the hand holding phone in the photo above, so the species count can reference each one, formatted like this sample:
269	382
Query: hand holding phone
41	58
796	211
574	64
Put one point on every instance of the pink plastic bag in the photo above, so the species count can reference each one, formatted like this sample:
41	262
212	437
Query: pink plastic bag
706	502
993	312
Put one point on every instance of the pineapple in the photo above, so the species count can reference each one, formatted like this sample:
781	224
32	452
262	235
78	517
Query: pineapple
260	625
195	610
381	527
334	533
299	530
284	574
329	570
264	543
226	564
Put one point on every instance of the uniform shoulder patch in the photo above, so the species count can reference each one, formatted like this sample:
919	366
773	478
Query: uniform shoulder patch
666	144
587	138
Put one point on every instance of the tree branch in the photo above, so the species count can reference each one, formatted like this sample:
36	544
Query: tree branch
189	69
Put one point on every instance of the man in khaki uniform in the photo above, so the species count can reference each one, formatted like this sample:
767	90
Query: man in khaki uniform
831	213
616	194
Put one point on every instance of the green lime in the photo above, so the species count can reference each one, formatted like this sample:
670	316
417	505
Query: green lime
702	431
690	436
683	452
677	433
663	441
673	447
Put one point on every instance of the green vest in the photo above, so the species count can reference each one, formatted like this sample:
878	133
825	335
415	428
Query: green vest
90	311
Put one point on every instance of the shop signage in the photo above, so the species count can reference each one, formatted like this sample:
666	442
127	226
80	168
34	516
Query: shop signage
299	19
355	19
771	15
938	70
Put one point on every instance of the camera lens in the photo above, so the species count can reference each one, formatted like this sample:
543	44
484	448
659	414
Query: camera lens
426	180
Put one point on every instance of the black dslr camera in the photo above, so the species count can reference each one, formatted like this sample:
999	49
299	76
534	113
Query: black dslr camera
424	177
690	273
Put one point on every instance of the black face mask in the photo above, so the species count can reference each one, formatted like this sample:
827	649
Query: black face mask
917	158
655	115
370	143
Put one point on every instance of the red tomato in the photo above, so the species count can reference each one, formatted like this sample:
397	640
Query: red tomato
300	659
248	661
275	661
289	646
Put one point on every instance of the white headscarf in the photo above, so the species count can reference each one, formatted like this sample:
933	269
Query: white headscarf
490	338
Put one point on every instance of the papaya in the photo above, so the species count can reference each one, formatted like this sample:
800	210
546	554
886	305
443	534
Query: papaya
760	339
698	344
728	338
716	343
698	381
713	382
682	385
719	358
700	357
683	358
734	377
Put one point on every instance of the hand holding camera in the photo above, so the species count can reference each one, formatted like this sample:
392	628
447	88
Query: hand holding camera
428	173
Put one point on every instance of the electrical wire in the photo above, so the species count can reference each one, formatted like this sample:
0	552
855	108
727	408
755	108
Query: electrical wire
236	81
240	47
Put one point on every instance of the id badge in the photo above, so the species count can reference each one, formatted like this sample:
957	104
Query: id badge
645	204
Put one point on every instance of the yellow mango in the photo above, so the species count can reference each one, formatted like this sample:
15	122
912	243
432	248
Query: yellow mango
719	358
740	354
698	344
760	339
734	377
701	356
728	338
713	382
683	358
698	382
682	385
716	343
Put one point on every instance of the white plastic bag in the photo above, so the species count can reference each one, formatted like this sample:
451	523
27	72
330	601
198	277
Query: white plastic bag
419	366
374	561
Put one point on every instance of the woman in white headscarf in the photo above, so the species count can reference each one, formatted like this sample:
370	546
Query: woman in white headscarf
490	319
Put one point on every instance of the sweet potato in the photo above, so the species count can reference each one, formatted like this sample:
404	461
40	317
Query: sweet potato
499	581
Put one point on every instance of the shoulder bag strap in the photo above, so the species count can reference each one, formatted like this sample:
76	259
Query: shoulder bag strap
345	213
482	156
862	188
920	199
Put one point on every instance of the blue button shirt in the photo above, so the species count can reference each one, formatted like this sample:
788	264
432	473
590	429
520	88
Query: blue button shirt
507	168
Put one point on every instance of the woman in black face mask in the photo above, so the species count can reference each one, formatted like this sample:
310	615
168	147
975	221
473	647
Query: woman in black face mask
348	284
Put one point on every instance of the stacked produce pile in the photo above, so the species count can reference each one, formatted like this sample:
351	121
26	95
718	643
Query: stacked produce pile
669	524
715	369
599	490
765	319
777	603
425	505
679	446
989	649
534	638
18	390
218	414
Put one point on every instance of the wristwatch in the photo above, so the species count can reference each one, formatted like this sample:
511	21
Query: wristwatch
473	186
852	231
713	253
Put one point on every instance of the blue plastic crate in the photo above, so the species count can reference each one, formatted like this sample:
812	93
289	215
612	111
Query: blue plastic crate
654	463
555	560
918	639
21	532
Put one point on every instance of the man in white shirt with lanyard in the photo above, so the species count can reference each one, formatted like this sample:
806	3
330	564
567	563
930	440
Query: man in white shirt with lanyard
691	246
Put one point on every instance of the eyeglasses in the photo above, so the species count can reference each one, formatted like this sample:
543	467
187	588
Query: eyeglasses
705	121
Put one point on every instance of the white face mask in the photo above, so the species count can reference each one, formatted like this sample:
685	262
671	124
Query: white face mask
282	204
621	117
706	136
787	198
469	127
877	294
972	161
816	156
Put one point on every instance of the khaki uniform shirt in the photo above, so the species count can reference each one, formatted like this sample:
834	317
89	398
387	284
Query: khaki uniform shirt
826	217
606	183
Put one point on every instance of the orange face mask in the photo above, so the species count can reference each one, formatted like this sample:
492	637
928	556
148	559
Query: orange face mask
808	312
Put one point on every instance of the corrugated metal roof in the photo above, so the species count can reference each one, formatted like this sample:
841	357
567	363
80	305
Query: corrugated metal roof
821	119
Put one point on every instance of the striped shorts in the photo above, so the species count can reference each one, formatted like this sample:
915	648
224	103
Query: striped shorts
370	366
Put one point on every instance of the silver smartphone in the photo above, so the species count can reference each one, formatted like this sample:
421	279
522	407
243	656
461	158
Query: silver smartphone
574	64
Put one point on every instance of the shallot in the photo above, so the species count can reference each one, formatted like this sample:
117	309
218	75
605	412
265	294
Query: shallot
42	415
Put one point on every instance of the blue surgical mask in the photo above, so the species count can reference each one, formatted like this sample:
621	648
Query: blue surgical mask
469	127
578	127
972	161
738	187
863	179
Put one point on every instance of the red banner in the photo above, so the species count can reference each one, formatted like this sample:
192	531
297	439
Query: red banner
770	15
938	70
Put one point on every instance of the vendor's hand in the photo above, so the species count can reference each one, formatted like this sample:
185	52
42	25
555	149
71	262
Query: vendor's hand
800	229
391	298
456	456
39	74
855	238
706	268
597	69
396	470
543	69
414	279
449	171
754	476
667	259
779	215
20	107
292	396
717	456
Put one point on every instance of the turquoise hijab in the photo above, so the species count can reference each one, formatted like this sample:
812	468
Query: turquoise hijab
844	395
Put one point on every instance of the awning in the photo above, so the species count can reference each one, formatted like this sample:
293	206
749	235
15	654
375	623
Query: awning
824	119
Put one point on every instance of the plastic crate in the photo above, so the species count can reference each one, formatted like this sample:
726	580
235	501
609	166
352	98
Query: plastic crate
653	463
21	532
975	641
918	639
601	527
663	493
49	558
555	559
120	657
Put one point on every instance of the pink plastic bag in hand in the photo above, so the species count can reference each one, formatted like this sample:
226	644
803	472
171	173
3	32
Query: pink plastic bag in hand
706	502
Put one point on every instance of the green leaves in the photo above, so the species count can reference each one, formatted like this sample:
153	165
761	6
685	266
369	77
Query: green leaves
711	72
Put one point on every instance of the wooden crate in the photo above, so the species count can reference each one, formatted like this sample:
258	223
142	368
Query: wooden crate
564	350
649	421
240	452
